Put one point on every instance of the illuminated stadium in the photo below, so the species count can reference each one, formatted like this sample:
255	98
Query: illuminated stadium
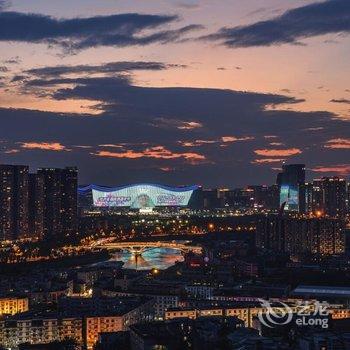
138	196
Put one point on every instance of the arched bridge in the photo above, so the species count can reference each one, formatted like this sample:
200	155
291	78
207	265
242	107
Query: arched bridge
140	247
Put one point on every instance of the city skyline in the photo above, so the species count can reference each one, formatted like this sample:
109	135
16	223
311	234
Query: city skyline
176	92
174	174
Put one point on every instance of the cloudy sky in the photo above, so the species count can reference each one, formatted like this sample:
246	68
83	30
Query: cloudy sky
218	93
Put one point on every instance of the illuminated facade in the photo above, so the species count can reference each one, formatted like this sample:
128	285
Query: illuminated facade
6	200
113	323
329	196
76	322
40	330
13	305
36	205
13	201
140	196
295	235
32	205
289	182
244	313
60	200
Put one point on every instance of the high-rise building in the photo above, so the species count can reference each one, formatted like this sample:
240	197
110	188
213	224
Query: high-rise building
209	198
348	198
20	208
36	206
69	181
13	201
327	197
60	200
305	191
298	236
334	196
290	181
52	201
317	196
265	196
6	202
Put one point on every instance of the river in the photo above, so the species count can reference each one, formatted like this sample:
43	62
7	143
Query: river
159	258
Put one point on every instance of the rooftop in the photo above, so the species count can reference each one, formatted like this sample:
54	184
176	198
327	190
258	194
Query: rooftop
323	290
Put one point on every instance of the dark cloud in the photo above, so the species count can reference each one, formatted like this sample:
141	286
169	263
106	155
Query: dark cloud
340	100
285	90
18	78
4	4
327	17
79	33
107	68
197	132
224	68
257	11
264	12
112	81
188	5
13	60
120	95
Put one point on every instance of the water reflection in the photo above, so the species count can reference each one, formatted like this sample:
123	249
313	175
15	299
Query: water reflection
160	258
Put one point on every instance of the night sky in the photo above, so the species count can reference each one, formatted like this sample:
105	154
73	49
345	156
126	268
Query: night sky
177	92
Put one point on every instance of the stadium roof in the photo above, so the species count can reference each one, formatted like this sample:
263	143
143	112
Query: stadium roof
112	189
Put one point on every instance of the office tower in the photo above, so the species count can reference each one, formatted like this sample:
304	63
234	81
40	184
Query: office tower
289	181
36	206
60	201
13	201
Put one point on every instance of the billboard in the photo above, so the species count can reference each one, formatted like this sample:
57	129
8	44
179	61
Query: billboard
142	196
290	195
